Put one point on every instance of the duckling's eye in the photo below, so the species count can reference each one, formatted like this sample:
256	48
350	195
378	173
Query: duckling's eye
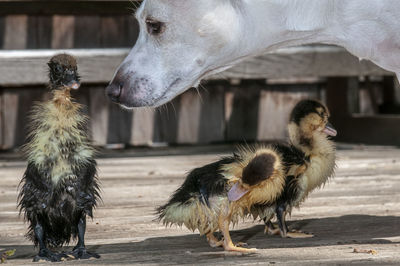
59	69
154	27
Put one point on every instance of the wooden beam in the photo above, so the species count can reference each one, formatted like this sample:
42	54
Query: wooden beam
28	67
74	7
304	61
99	65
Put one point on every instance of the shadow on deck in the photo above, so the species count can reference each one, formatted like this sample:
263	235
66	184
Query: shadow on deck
331	231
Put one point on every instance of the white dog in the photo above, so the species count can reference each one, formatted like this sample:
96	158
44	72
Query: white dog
183	41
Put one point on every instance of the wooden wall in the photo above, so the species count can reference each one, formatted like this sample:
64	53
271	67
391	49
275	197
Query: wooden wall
221	112
63	31
66	31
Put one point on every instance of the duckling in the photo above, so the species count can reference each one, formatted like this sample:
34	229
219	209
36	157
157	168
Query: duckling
217	194
260	181
59	187
308	159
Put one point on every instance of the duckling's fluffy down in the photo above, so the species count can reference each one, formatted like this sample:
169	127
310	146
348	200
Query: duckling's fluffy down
198	203
59	186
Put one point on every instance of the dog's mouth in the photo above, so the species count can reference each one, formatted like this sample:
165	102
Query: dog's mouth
146	101
164	97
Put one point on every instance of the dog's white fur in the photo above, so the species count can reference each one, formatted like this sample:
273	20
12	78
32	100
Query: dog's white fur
203	37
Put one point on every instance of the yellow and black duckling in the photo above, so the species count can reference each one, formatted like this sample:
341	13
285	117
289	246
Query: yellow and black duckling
219	193
260	181
59	186
308	161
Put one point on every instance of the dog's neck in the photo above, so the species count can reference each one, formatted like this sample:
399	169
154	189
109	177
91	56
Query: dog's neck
280	23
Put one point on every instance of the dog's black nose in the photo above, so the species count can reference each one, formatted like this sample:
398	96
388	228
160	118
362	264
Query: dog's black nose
114	90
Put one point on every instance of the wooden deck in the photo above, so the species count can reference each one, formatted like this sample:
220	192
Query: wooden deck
359	208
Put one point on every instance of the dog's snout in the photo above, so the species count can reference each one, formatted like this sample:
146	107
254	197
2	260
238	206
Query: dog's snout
114	90
131	90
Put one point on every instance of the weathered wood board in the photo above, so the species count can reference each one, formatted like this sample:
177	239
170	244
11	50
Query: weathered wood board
210	115
79	7
359	208
99	65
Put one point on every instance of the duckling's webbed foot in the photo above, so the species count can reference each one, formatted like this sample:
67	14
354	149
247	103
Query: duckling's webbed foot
44	253
229	246
241	244
223	223
298	234
271	229
47	255
79	251
82	254
213	241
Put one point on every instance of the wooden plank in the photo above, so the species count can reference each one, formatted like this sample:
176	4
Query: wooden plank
63	32
86	32
15	33
2	126
336	97
287	63
305	61
69	7
275	105
98	109
119	124
95	65
189	117
16	106
212	116
2	30
353	95
131	30
166	122
242	120
39	32
142	127
112	32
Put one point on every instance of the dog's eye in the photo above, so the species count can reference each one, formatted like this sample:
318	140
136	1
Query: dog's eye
154	27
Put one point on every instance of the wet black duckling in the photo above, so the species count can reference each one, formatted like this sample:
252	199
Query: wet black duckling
59	186
308	159
219	193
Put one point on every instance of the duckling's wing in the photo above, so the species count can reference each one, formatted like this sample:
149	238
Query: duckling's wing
290	155
200	184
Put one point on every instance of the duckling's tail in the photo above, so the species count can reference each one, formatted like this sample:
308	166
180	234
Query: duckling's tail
197	201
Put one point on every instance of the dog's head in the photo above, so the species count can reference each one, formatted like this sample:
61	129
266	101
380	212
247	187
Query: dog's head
180	42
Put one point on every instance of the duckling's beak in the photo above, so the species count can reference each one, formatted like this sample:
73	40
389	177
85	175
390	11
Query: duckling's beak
330	130
236	192
71	80
74	85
